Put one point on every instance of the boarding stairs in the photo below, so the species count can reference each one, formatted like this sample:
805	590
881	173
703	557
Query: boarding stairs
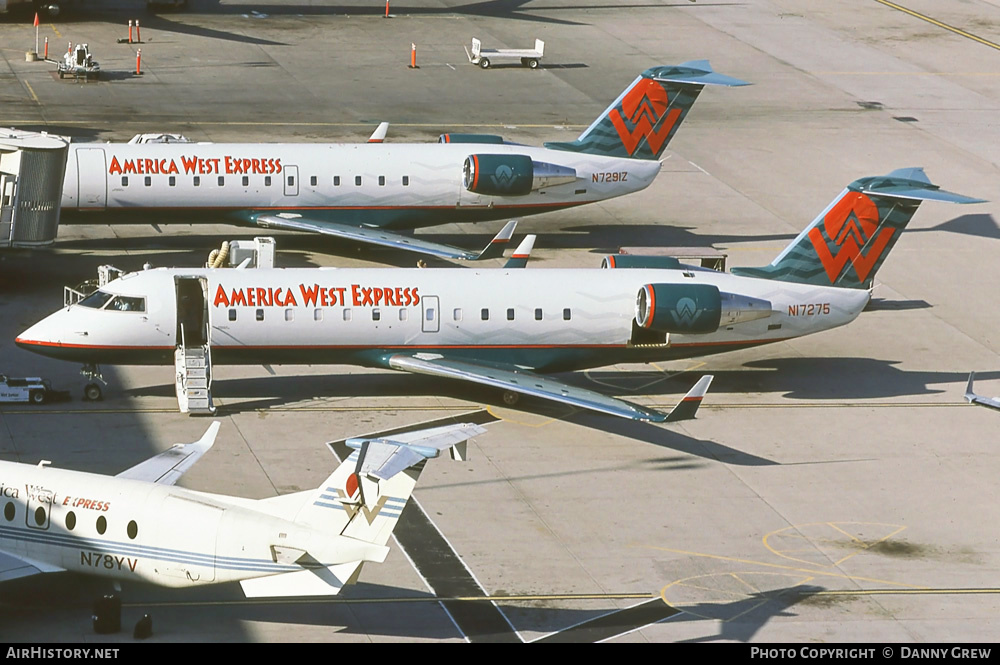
193	378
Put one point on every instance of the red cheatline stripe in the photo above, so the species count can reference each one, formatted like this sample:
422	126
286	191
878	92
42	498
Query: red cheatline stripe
475	180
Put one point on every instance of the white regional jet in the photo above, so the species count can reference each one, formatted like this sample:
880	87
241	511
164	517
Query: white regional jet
363	192
495	327
136	526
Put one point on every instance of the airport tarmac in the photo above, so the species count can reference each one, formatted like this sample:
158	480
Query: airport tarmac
834	488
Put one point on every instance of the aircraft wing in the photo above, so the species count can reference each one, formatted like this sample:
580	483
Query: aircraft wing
12	567
168	467
528	383
973	398
381	238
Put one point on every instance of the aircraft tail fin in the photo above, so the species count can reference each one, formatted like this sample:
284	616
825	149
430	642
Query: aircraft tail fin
641	122
520	257
495	249
364	497
848	242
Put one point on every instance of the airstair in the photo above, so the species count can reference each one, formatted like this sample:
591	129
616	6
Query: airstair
193	378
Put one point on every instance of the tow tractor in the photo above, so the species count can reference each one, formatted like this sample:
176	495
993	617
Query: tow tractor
79	63
31	389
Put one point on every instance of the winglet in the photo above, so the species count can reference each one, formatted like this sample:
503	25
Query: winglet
969	395
498	244
378	136
520	257
168	467
688	406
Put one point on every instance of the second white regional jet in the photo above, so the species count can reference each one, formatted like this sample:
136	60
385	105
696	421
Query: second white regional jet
137	526
364	192
497	327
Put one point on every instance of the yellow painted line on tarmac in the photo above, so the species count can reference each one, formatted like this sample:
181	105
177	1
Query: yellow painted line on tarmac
945	26
32	91
55	30
764	564
383	601
236	410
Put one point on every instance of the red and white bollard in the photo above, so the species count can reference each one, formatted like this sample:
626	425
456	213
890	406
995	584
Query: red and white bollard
138	62
130	31
138	39
69	47
386	9
46	48
413	56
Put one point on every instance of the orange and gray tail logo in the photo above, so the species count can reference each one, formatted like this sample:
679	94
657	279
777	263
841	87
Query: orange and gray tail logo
641	122
848	242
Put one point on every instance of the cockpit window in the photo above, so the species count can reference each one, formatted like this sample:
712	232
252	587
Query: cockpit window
96	300
127	304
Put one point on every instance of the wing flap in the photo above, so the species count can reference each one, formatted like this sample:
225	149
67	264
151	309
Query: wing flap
168	467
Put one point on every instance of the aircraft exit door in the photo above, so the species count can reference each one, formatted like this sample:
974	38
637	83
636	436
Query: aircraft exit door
92	179
192	311
431	319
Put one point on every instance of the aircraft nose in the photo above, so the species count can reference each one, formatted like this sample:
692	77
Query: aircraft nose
44	337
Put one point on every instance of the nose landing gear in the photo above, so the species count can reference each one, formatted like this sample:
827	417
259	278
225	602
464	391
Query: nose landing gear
92	391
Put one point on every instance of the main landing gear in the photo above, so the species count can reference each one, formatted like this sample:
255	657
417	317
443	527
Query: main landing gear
92	391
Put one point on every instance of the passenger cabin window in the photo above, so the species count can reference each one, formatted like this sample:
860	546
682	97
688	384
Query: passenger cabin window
127	304
402	315
222	181
132	529
96	300
510	314
538	314
406	181
291	181
260	315
197	181
124	181
246	181
336	181
376	315
172	180
289	314
381	181
457	314
317	315
312	181
102	524
357	181
232	315
347	314
485	314
70	520
267	181
149	181
9	511
566	314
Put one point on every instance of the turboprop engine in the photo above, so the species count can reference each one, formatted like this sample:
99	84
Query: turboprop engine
511	175
694	308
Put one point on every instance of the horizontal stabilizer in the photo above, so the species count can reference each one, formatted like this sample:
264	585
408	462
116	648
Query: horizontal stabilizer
385	457
909	183
327	581
168	467
697	72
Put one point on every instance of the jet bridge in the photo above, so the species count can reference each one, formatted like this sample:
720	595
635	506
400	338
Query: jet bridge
32	166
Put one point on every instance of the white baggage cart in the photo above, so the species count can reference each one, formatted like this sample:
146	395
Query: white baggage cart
484	57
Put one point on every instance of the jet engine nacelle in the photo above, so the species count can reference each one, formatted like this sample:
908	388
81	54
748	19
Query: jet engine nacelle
694	308
639	261
511	175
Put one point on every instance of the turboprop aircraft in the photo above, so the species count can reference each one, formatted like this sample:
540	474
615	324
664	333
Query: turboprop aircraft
499	327
973	398
363	192
136	526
